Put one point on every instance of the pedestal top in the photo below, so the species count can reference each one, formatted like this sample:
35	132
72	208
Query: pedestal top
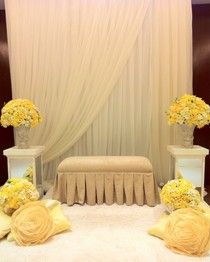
32	151
177	150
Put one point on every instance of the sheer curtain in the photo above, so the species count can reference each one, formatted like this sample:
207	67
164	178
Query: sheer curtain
170	75
142	77
67	56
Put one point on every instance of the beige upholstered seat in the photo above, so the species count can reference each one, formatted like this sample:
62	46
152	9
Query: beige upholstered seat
105	164
99	179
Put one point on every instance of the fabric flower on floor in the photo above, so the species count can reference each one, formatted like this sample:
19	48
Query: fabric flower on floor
31	224
188	232
27	228
185	231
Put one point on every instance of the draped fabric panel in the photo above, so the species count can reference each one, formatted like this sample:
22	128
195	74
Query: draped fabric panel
75	53
103	73
170	75
133	120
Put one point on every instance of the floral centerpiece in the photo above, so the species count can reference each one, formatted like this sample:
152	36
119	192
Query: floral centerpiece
23	115
29	174
20	112
179	193
189	112
15	193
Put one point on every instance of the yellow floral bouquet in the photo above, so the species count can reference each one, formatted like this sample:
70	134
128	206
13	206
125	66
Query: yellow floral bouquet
179	193
189	110
15	193
20	112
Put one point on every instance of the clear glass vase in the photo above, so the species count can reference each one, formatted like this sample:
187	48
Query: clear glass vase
187	133
22	137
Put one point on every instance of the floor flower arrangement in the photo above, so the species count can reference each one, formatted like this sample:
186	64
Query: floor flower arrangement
24	218
185	226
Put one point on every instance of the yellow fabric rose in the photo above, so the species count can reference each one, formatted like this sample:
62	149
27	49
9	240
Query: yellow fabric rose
188	232
31	224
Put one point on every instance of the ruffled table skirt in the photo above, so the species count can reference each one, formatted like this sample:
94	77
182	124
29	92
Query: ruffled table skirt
98	180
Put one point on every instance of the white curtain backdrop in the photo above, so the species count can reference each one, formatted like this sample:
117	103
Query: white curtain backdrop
69	58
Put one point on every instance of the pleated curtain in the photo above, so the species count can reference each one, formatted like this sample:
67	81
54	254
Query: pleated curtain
102	73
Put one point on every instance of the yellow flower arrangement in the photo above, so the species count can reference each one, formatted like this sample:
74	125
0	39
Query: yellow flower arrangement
189	110
29	174
20	112
179	193
15	193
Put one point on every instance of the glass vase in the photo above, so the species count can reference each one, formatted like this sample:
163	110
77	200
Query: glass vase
187	134
22	137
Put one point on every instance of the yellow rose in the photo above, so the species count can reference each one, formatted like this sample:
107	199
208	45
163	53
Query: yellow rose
188	232
31	224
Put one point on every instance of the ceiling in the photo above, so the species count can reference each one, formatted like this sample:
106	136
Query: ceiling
193	2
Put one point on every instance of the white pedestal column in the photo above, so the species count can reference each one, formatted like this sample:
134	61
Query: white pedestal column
190	162
18	160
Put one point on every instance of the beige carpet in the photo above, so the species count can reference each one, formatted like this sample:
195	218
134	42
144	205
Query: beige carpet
100	233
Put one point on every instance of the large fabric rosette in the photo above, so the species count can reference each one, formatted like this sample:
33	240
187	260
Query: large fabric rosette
31	224
188	232
185	231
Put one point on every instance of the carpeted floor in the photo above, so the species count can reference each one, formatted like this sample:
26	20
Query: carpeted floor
100	234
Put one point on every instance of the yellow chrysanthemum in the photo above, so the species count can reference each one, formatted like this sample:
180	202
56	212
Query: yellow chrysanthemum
189	110
179	193
20	112
15	193
29	174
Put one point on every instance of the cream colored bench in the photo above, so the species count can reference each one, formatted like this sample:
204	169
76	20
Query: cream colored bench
105	179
